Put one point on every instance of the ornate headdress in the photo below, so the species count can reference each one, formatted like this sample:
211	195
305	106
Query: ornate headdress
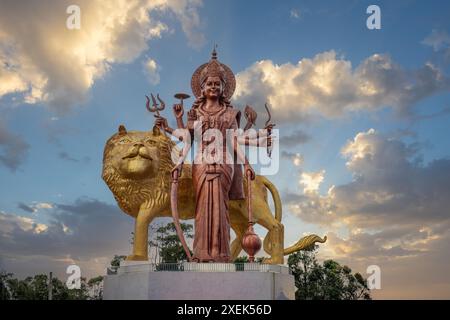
213	69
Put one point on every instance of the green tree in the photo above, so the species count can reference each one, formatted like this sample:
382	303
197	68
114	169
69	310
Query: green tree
61	292
115	262
36	288
30	288
244	259
329	281
96	287
4	287
170	249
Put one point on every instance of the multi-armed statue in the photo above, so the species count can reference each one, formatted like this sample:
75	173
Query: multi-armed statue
213	124
218	200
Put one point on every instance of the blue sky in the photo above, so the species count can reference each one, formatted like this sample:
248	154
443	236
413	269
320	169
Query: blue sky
62	161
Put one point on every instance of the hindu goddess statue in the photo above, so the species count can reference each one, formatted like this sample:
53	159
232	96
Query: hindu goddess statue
217	167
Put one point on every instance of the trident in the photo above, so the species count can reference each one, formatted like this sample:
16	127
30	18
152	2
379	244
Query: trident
155	107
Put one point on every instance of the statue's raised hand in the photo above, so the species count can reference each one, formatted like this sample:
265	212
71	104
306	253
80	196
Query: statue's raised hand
161	122
178	110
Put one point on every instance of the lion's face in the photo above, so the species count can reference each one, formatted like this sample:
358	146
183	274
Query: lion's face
136	168
134	154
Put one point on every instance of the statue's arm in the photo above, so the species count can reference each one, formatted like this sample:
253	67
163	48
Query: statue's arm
161	122
180	123
169	130
192	118
178	111
254	138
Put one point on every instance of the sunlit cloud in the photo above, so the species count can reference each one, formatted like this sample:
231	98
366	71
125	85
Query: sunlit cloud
35	206
10	223
296	158
87	232
151	70
394	210
311	181
329	86
48	63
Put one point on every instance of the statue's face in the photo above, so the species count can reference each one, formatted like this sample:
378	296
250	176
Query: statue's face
212	88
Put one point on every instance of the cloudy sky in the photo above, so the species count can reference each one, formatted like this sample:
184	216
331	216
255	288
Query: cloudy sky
363	116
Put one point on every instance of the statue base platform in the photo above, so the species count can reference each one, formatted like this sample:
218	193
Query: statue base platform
141	280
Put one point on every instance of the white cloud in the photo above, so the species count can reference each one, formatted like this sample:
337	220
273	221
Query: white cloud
393	213
9	223
151	70
40	227
66	229
437	39
43	205
311	181
187	13
390	185
35	206
296	158
87	232
329	86
10	82
46	62
295	13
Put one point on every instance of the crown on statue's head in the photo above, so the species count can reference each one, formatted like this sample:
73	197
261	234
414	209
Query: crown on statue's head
213	69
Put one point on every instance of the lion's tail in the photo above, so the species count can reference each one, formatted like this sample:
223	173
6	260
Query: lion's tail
275	196
267	244
304	243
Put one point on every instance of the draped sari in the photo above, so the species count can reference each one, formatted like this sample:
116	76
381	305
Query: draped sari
212	182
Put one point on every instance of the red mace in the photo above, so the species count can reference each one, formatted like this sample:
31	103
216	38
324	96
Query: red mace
251	243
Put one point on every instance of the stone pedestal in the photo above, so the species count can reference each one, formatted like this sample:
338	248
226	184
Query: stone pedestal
199	281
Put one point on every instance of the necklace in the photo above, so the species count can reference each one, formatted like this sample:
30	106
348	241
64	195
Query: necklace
212	117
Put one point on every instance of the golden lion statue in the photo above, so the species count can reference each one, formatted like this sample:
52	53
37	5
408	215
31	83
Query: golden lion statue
137	167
